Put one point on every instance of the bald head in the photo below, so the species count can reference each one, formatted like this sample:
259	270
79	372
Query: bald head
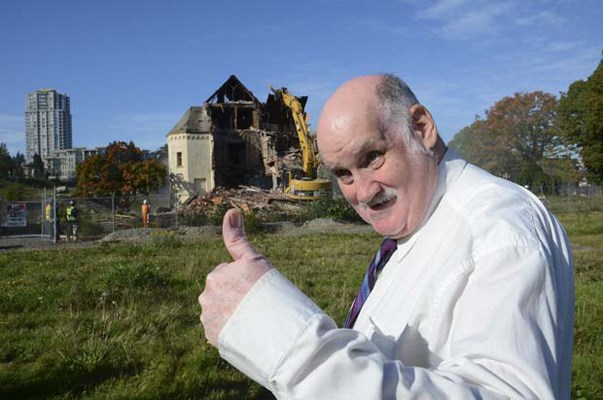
386	99
355	98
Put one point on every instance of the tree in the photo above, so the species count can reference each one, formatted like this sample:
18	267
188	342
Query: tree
144	176
37	166
517	139
13	168
478	145
6	162
91	180
122	171
161	152
19	165
580	119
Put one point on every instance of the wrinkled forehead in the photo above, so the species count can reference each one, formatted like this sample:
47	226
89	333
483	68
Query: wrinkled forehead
338	152
346	139
339	130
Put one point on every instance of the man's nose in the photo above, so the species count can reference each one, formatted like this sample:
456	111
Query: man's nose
366	188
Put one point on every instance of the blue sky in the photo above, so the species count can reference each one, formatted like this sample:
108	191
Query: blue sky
132	68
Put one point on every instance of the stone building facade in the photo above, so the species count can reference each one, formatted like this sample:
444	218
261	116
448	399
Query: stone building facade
232	139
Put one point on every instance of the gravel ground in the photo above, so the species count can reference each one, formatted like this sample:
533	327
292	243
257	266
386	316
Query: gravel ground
141	235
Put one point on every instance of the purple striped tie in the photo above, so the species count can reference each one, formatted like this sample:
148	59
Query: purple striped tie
388	246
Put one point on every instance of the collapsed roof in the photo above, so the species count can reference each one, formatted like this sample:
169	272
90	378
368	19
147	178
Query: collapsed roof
253	141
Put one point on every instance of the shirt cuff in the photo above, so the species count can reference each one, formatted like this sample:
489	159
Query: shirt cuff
265	325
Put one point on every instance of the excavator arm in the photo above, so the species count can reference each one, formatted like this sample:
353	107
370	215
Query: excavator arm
309	160
309	187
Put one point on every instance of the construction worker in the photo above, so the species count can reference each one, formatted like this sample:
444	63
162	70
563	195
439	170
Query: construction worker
72	216
146	212
48	218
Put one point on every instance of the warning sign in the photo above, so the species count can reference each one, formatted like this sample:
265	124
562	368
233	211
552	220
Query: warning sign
16	215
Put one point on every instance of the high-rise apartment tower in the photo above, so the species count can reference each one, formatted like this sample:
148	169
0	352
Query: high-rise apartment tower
47	123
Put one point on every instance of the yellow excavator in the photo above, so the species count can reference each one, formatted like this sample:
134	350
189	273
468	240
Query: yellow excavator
308	186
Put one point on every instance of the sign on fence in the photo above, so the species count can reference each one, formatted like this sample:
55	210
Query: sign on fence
16	214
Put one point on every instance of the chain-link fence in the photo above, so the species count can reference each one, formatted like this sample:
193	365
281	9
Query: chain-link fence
573	198
23	218
51	218
46	219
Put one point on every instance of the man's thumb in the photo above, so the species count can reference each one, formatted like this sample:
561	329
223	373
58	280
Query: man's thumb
234	236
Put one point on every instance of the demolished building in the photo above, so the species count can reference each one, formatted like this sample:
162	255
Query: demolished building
232	139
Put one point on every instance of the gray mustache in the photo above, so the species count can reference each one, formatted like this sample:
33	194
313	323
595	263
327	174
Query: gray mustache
383	196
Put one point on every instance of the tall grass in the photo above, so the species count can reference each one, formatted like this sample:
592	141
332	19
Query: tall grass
121	322
586	236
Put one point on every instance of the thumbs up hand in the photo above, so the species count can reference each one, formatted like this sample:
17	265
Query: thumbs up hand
228	283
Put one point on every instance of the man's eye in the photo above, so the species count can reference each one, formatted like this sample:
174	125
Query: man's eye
374	159
343	175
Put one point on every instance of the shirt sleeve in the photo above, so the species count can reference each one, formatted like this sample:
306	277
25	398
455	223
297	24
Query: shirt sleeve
497	347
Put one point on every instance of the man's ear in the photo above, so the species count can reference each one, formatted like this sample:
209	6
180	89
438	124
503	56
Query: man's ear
424	126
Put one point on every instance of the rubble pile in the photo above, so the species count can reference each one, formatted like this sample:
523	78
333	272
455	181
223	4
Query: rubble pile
247	198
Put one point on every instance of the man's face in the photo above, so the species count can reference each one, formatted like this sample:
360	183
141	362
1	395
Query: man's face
388	186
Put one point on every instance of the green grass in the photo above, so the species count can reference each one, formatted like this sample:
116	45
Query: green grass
122	322
586	236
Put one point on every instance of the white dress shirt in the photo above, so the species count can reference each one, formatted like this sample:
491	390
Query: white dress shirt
477	303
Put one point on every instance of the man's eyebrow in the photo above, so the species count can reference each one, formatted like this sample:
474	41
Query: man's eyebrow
366	146
329	166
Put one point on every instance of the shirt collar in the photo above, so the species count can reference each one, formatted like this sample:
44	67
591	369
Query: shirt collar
449	169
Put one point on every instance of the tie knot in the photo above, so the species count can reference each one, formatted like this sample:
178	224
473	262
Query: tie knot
388	246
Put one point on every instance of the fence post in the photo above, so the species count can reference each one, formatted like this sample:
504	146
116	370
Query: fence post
43	215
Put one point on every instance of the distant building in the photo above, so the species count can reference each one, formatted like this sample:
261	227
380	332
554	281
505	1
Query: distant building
47	123
62	164
232	139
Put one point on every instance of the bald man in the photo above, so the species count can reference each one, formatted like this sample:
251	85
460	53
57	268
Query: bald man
473	300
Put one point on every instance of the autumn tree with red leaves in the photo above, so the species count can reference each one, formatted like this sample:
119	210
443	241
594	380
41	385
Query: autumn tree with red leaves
121	171
519	140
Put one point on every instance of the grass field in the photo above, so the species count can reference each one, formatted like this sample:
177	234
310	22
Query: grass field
121	322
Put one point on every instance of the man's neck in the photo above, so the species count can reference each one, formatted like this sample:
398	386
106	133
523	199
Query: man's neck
439	149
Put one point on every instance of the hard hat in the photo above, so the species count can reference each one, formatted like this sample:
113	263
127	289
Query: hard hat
144	201
71	202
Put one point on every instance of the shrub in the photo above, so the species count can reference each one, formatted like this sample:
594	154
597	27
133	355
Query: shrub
337	209
90	229
162	238
252	222
212	216
14	192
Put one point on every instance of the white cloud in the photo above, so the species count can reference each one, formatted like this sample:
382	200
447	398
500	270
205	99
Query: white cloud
551	67
12	132
441	8
545	17
476	22
482	20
